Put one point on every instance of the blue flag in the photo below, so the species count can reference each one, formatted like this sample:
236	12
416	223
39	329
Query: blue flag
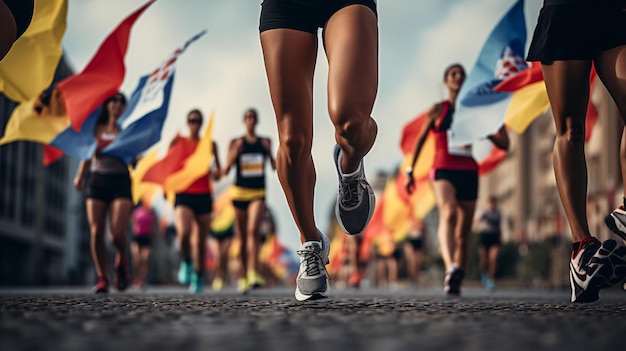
142	121
480	111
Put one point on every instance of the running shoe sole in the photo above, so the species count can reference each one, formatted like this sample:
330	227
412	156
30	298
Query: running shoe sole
615	225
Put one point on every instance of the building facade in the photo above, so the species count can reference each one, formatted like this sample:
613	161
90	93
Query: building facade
42	227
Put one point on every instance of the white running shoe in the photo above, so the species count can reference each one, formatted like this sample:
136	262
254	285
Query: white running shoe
312	280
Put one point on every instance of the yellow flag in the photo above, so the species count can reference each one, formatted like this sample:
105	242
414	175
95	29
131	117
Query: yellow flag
526	105
395	212
140	188
196	165
26	123
28	69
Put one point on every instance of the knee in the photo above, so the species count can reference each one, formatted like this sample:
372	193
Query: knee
295	144
350	128
97	232
573	133
448	215
118	236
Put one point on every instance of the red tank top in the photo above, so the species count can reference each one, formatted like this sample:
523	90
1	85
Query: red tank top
443	158
201	185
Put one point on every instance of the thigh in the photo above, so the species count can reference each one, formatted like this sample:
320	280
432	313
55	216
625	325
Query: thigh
255	214
351	43
97	212
204	224
289	57
120	212
567	84
445	193
183	219
241	219
611	68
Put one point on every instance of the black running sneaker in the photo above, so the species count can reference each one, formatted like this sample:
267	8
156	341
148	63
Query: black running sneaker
616	221
356	199
122	278
596	266
452	281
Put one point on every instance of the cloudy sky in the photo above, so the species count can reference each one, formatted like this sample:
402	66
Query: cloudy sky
223	71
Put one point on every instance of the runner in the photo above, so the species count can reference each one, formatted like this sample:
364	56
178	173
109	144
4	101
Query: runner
454	178
248	153
107	193
289	41
490	233
414	248
223	241
143	225
192	209
569	37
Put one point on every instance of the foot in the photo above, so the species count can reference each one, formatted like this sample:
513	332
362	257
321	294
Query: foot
616	221
218	284
138	284
355	201
490	285
196	283
122	278
102	286
242	286
596	266
255	280
312	279
184	272
452	281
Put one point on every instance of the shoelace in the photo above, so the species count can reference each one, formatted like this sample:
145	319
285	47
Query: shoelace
312	260
350	192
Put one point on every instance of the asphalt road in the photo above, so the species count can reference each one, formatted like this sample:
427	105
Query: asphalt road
170	319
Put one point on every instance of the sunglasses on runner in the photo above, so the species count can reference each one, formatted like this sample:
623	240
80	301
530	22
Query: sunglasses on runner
194	121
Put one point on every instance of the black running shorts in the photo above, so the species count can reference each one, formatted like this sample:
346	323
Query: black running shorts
198	203
577	29
489	239
303	15
22	11
464	182
108	187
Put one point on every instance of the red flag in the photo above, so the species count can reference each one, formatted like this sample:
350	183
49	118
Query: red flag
172	162
521	79
51	154
492	160
410	132
102	77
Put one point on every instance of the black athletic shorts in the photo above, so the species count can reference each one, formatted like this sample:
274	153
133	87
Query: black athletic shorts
416	243
22	11
577	29
143	241
198	203
303	15
108	187
225	234
489	239
465	182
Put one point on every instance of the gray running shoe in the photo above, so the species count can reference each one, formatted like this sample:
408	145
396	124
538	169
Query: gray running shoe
355	201
312	280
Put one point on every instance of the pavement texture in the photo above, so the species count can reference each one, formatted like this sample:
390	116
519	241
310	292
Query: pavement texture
424	319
